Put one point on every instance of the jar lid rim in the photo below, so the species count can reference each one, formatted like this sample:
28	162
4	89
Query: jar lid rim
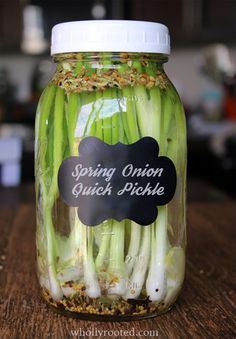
110	36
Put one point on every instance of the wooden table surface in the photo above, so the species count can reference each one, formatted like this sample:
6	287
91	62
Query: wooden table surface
206	307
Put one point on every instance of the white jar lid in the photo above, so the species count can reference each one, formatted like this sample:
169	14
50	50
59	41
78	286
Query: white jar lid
110	36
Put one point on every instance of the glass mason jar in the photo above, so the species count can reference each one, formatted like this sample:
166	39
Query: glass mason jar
110	165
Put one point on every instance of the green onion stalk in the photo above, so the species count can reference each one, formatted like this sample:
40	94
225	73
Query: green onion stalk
117	100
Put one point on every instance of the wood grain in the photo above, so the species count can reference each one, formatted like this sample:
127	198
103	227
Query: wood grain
205	309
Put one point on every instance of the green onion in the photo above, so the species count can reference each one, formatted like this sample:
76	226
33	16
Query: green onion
120	259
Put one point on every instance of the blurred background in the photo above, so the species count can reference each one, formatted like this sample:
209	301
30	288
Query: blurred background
202	66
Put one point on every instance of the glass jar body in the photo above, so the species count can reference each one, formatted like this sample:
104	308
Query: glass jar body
116	270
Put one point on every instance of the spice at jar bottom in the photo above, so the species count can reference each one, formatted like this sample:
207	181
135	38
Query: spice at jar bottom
110	173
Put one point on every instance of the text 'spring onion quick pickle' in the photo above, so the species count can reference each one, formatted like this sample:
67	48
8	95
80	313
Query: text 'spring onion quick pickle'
110	164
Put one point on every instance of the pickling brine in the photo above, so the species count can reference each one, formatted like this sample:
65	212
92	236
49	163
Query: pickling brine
110	166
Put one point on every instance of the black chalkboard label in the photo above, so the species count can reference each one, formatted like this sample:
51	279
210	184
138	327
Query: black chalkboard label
117	181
